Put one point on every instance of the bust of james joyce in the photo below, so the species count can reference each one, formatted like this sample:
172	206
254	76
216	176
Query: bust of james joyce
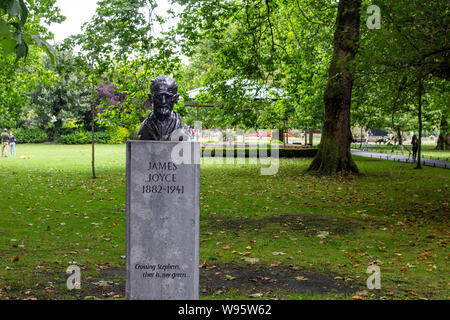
163	123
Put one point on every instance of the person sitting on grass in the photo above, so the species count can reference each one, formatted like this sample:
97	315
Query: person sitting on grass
12	143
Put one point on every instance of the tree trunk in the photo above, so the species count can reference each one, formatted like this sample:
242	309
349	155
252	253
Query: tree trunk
419	150
93	142
443	140
361	137
311	137
400	137
334	150
93	124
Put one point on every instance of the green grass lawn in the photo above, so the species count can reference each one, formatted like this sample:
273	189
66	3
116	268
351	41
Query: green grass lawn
287	236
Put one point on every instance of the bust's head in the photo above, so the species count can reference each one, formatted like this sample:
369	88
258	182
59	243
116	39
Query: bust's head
163	95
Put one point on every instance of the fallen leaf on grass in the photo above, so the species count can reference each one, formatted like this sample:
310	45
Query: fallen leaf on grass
301	278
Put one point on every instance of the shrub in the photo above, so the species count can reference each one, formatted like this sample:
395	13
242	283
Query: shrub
282	152
30	135
118	135
102	137
78	137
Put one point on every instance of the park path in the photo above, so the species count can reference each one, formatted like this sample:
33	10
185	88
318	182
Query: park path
400	158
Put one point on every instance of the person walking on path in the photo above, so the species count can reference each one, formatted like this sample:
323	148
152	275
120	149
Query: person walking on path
12	143
415	146
5	141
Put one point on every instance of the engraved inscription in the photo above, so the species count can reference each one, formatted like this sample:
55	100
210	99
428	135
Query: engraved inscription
162	178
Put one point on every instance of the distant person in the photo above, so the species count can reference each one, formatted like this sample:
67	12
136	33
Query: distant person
12	143
5	141
415	146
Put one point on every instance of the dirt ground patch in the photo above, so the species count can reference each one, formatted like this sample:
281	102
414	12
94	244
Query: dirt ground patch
309	223
51	285
214	280
251	279
248	279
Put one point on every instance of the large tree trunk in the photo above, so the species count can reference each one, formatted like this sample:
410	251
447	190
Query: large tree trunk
334	150
444	136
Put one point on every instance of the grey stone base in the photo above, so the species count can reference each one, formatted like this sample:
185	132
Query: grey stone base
163	199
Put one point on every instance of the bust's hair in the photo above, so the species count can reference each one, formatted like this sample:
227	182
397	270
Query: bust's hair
164	81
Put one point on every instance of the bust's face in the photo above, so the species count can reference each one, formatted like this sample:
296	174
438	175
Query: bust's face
163	100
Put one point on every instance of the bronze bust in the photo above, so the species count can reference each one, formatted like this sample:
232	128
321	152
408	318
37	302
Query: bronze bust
163	123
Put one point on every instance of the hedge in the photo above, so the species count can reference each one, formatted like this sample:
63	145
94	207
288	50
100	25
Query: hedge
282	152
78	137
30	135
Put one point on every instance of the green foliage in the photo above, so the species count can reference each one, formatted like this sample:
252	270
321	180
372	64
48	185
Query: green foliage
118	135
283	44
102	137
410	45
64	98
17	80
30	135
20	24
78	137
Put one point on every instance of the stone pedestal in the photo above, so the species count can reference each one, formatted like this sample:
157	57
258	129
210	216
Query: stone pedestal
163	198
